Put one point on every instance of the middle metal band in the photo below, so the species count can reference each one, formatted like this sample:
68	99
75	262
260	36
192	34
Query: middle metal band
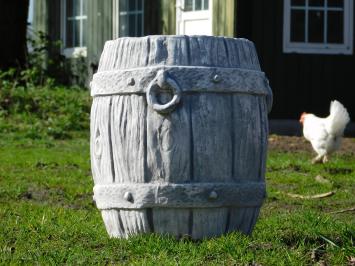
190	79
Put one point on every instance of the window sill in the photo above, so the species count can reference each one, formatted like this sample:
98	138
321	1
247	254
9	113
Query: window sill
75	52
315	49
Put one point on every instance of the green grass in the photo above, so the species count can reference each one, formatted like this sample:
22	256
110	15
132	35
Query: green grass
47	215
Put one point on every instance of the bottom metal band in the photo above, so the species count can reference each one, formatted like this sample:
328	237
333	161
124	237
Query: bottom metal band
191	195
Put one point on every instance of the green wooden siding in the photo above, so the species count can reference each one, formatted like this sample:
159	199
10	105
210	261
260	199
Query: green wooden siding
159	18
40	16
168	17
99	30
223	17
47	18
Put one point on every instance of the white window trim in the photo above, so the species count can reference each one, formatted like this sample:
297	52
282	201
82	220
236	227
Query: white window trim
182	16
75	52
319	48
115	19
70	52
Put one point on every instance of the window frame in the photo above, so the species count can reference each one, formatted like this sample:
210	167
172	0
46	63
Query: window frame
76	51
194	6
116	17
305	47
193	15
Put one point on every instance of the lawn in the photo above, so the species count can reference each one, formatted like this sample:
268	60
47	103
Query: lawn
47	215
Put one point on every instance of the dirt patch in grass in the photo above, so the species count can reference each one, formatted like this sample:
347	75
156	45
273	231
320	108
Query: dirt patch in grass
42	194
57	197
300	144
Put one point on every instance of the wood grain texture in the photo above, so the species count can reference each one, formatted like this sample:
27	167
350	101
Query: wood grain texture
249	138
217	134
128	139
212	156
130	52
100	147
101	157
168	160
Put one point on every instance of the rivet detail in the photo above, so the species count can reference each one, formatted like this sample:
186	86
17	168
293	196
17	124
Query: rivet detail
128	196
216	78
213	195
131	81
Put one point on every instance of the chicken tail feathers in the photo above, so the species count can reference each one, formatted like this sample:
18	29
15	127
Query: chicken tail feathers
338	119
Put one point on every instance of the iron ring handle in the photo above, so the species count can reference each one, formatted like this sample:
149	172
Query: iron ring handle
164	81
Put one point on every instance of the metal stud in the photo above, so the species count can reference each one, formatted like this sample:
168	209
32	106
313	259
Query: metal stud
213	195
130	81
216	78
128	196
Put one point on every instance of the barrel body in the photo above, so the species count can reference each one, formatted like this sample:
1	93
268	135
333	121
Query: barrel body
179	135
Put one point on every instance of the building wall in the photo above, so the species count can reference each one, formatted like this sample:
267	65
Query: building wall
224	17
300	82
99	30
158	18
13	17
167	17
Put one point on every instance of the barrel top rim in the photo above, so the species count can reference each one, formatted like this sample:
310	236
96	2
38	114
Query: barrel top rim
192	50
161	36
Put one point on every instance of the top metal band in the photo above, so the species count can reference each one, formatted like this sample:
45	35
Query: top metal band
189	78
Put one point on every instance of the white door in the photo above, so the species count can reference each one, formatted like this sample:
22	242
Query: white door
194	17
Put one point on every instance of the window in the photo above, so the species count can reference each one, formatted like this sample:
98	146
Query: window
74	21
195	5
130	19
318	26
194	17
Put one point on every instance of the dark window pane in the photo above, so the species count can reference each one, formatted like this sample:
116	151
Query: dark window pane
198	5
76	36
84	32
123	25
205	5
297	25
140	4
132	5
85	10
131	25
123	6
188	5
298	2
316	26
335	27
76	6
316	2
139	25
70	7
69	34
335	3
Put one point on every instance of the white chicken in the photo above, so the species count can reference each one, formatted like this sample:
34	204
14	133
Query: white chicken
325	134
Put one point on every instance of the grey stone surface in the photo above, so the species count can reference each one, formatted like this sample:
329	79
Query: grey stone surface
192	195
179	135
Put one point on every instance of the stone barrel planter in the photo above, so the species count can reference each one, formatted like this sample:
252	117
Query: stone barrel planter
179	135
